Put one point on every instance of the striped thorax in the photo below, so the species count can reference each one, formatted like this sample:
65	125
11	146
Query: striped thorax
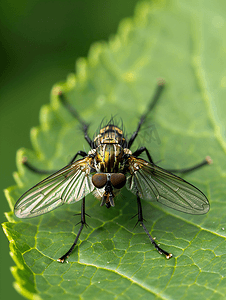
109	149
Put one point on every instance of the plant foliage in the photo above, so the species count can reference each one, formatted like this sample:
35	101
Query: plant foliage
184	43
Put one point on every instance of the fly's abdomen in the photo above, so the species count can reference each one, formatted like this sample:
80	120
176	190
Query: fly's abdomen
109	158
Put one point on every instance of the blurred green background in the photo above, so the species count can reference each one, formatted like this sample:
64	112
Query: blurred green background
40	42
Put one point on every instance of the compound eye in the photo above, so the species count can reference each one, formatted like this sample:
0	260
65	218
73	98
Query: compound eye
118	180
99	180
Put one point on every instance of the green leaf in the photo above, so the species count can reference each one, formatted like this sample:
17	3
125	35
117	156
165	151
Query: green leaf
183	42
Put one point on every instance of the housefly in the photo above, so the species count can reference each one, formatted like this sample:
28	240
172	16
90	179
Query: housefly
104	170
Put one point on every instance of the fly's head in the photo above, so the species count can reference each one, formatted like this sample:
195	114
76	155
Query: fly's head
107	183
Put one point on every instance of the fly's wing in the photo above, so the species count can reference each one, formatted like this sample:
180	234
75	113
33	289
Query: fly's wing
68	185
156	184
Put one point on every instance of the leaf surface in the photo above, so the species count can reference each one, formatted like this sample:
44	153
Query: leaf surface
184	43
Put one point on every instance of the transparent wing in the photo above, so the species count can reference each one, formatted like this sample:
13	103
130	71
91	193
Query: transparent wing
68	185
156	184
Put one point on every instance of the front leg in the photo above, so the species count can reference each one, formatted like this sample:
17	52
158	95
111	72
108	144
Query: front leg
141	150
76	115
152	104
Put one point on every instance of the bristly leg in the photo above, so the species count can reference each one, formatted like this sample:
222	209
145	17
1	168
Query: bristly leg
152	104
141	150
36	170
76	115
83	222
206	161
141	221
40	171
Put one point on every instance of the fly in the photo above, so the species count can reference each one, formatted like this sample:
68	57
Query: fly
104	170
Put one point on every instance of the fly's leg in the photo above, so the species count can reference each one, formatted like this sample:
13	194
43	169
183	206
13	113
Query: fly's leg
36	170
153	102
141	150
206	161
141	221
75	114
81	153
83	222
39	171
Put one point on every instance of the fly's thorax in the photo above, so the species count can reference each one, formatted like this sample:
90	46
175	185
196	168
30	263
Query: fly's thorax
109	158
109	134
